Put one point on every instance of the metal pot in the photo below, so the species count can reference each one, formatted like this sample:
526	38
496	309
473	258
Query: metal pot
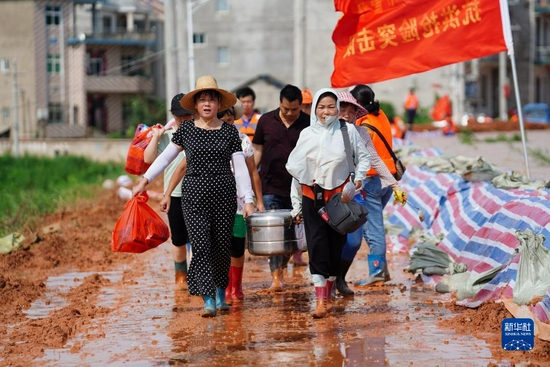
274	233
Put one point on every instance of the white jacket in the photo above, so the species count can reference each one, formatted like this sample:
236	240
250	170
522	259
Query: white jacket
320	155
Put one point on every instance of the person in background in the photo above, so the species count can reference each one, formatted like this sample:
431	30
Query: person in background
378	186
249	120
234	291
276	135
350	110
319	166
307	99
208	188
160	140
450	127
398	128
411	107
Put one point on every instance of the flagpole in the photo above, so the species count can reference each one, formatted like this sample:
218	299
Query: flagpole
520	115
509	40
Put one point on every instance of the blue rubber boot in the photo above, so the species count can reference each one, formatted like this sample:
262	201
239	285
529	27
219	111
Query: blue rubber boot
220	300
378	271
209	307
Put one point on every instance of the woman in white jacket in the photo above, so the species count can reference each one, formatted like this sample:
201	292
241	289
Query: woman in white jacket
320	169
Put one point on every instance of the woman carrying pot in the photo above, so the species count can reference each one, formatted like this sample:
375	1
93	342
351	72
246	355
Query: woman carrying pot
319	166
208	188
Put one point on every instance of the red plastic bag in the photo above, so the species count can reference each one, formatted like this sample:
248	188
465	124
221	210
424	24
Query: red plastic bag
135	164
139	228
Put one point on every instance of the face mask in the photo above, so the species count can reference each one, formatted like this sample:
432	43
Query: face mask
330	119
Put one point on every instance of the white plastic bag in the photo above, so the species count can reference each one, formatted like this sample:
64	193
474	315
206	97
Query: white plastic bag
348	192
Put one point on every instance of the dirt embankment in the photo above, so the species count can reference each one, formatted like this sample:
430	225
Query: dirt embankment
75	238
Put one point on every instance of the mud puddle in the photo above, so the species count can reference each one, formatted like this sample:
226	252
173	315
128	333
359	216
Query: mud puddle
152	325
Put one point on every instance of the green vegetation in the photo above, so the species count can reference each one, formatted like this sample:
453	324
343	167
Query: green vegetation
388	109
466	136
503	137
540	155
146	110
422	116
35	186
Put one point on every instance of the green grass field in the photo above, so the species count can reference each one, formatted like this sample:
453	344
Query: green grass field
34	186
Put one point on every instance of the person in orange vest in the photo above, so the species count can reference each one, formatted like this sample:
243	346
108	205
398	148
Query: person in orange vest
411	106
307	100
378	186
398	128
450	128
249	120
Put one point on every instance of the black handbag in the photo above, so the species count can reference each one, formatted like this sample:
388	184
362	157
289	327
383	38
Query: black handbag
399	166
345	217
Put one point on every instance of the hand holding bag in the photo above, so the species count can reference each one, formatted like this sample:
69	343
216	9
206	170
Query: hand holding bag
345	217
135	164
139	228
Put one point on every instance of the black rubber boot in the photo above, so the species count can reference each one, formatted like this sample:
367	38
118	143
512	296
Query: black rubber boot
341	284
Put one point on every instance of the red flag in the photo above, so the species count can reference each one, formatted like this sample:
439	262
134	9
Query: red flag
385	39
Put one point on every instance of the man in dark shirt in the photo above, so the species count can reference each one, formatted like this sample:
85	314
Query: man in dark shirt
276	135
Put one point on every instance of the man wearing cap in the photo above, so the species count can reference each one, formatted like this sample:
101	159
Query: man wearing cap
307	100
160	140
276	136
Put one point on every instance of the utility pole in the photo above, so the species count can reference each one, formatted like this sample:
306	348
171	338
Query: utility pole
15	107
190	45
170	54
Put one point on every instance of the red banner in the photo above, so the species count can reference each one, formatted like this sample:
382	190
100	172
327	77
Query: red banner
378	40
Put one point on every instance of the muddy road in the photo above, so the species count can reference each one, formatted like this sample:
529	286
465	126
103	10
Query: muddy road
67	300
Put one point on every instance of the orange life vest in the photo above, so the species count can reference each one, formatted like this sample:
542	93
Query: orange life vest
381	123
411	103
248	127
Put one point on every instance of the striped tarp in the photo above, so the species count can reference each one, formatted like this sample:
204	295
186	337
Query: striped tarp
478	220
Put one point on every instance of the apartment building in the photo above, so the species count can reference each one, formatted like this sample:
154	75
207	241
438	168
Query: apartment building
74	65
79	63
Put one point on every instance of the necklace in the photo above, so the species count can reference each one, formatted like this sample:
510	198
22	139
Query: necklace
207	125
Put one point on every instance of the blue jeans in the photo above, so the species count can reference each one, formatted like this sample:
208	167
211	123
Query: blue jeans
373	229
272	202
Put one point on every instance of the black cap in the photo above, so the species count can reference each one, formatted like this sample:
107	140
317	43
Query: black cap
176	108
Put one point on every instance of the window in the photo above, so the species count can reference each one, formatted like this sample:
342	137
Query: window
107	24
55	113
199	38
53	14
223	5
95	63
4	65
54	64
5	113
223	55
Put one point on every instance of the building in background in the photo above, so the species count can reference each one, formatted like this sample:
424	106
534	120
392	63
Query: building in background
80	62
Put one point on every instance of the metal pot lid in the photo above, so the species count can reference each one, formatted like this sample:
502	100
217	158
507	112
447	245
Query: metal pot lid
270	218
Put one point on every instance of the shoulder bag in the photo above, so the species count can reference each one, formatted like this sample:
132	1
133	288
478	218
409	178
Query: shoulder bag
345	217
399	166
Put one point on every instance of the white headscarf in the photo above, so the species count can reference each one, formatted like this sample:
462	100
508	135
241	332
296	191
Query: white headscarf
319	156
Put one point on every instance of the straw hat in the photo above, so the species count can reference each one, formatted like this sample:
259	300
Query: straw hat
205	83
